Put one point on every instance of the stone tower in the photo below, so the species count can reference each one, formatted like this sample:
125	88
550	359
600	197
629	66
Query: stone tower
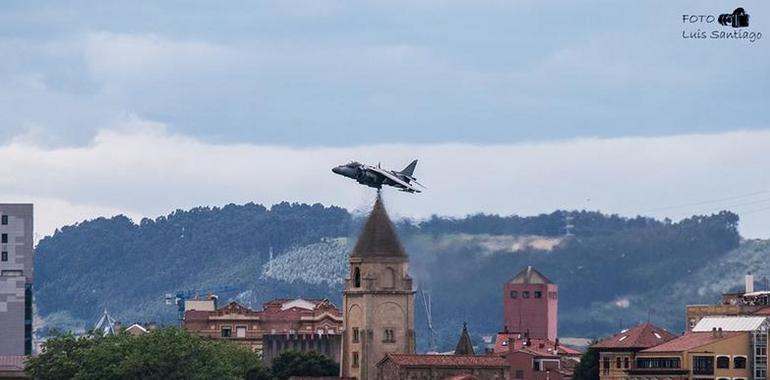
378	300
531	305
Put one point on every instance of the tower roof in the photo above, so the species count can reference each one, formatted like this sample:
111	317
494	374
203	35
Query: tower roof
464	345
378	237
530	275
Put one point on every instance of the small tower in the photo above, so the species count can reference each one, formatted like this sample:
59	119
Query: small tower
464	345
531	305
378	300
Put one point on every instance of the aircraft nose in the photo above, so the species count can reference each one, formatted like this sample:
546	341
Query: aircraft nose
337	170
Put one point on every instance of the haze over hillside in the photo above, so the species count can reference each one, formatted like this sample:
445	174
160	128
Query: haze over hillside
655	267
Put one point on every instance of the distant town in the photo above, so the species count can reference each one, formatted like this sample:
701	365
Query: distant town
372	334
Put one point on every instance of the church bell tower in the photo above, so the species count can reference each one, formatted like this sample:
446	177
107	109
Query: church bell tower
378	299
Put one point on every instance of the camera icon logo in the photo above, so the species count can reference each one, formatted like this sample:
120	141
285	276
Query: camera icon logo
738	19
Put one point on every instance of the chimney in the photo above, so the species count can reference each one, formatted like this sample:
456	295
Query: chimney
714	332
511	343
749	282
719	332
556	345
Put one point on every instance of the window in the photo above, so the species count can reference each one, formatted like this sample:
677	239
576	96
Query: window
536	365
739	362
606	365
514	294
723	362
356	335
240	332
519	374
4	256
390	336
625	362
4	220
552	295
658	363
617	362
227	331
538	294
355	359
11	273
357	277
703	365
525	294
4	238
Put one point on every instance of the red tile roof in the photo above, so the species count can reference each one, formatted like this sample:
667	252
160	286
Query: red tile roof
447	360
543	346
763	311
462	377
692	340
642	336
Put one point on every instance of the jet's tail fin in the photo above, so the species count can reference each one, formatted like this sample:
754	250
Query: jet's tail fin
409	169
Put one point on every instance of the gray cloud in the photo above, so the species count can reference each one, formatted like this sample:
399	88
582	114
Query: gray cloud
140	168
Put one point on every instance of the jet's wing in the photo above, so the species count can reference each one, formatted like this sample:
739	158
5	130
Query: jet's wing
394	178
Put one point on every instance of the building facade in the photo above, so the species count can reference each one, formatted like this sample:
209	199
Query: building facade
16	275
748	302
378	299
281	325
441	367
531	305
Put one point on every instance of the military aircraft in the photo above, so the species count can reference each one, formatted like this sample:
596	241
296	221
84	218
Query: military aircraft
375	176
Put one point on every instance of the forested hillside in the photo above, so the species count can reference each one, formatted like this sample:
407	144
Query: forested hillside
609	268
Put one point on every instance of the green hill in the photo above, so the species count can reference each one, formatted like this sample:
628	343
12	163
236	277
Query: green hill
609	268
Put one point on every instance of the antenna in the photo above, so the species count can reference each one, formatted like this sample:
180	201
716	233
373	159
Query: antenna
429	316
568	226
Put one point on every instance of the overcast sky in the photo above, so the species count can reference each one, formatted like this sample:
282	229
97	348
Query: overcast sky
511	106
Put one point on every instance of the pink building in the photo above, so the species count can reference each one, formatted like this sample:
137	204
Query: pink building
530	306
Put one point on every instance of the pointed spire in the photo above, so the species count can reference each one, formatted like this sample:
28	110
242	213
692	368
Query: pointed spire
378	237
464	345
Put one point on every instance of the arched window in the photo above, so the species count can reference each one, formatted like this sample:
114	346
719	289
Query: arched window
514	294
739	362
723	362
357	277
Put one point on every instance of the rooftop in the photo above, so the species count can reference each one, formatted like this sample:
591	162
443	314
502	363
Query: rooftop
690	341
543	346
732	323
530	275
447	360
642	336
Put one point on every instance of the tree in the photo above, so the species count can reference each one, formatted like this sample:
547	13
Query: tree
588	368
311	363
168	353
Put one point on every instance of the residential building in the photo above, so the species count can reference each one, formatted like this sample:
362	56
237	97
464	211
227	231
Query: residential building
282	324
441	367
617	354
16	276
748	302
720	348
531	305
526	364
378	299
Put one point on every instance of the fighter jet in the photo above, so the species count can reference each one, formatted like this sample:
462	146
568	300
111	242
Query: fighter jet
375	176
